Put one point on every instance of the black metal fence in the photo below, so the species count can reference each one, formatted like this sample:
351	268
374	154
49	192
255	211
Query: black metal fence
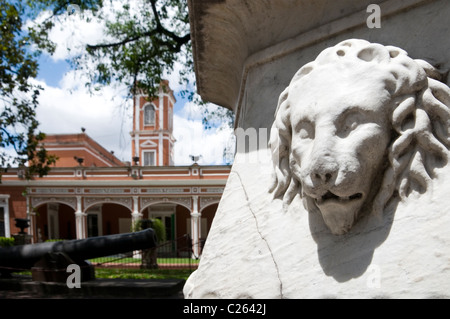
173	254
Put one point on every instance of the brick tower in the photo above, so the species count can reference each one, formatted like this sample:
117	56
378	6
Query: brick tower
152	138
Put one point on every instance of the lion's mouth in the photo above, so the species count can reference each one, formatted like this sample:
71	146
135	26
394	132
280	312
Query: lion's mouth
330	197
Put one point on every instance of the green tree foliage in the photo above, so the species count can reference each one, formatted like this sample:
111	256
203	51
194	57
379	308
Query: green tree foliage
6	242
146	38
19	138
154	223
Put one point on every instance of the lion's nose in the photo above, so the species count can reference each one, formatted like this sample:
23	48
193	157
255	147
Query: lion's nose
323	171
324	177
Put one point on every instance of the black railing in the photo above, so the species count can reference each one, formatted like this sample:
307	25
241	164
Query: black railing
173	254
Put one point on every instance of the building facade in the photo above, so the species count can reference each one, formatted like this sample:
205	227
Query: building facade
90	192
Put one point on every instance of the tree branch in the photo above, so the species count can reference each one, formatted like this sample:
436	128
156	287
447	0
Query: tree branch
10	140
125	41
155	13
180	41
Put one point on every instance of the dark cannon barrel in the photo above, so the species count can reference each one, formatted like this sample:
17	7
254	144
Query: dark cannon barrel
25	256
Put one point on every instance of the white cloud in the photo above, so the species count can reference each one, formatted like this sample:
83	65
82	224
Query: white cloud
191	111
174	76
193	139
104	115
72	37
72	32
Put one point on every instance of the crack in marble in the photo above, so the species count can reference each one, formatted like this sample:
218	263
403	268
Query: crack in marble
260	234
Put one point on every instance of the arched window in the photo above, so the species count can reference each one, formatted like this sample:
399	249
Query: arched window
149	114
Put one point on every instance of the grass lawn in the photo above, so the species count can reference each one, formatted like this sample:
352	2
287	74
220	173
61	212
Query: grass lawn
113	273
137	273
138	260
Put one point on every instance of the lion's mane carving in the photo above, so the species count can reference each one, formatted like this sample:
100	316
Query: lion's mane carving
419	118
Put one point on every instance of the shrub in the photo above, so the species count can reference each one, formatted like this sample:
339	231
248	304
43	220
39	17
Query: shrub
159	229
154	223
6	242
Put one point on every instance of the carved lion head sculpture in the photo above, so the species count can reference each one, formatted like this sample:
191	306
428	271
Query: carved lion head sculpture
361	124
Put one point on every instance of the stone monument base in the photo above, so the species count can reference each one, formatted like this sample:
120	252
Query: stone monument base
257	250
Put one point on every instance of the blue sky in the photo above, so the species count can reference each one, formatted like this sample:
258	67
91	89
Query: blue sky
52	71
66	105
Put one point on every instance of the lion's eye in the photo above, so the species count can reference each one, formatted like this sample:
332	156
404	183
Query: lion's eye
304	130
350	123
